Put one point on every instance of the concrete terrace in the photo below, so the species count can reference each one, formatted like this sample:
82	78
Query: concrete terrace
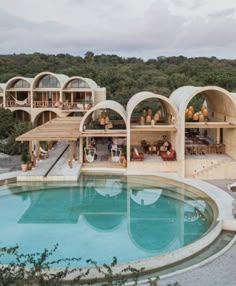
61	171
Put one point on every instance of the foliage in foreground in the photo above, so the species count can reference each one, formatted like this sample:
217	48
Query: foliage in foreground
7	122
36	269
10	146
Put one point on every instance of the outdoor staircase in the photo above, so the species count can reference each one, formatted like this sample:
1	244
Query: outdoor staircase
214	171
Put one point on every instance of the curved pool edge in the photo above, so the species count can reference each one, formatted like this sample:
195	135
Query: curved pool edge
225	221
154	263
222	199
202	263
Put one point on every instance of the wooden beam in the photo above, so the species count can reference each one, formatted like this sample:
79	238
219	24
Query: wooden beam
38	150
210	125
75	151
71	154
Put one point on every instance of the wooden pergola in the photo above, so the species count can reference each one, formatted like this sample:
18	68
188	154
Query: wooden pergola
58	129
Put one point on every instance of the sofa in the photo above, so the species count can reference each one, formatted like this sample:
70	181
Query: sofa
169	155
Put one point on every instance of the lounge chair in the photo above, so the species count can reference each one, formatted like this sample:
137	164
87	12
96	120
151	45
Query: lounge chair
43	153
115	154
136	155
89	154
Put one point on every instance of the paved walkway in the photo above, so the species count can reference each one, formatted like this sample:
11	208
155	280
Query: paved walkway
219	272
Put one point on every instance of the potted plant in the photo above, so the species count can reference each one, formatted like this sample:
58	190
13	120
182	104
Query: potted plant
24	160
29	162
123	155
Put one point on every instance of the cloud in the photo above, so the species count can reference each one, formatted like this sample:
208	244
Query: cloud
214	31
125	27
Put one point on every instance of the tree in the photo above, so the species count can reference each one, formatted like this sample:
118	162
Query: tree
11	146
7	122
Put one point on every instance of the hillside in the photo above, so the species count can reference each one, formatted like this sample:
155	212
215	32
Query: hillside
123	77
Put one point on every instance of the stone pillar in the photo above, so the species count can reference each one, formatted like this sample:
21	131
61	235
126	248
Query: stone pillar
81	151
218	135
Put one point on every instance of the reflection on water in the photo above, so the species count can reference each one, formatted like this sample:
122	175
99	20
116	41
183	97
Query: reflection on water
101	216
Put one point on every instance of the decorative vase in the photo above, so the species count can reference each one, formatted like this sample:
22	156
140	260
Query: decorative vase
195	116
24	167
156	116
201	118
189	114
205	112
29	166
149	112
142	120
148	119
191	108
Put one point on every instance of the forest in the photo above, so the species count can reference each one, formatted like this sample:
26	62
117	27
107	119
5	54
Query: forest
123	77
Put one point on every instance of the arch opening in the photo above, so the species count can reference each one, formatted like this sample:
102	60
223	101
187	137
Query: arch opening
48	81
44	117
22	115
210	130
152	121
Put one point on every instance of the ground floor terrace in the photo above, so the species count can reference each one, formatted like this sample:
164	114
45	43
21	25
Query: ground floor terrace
106	151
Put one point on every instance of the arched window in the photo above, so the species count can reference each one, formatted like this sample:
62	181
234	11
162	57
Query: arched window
21	84
77	83
49	81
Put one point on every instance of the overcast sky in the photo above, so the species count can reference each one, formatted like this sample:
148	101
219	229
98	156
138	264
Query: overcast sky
141	28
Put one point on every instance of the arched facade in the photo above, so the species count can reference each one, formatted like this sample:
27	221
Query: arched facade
108	104
152	132
48	95
17	92
221	107
2	88
99	122
46	90
78	93
44	117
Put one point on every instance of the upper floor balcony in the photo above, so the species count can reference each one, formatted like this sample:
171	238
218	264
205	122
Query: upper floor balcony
78	105
18	103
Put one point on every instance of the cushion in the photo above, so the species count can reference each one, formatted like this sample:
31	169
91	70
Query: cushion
136	151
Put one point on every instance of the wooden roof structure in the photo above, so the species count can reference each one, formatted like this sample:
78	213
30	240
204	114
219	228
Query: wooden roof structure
209	125
104	133
64	129
163	127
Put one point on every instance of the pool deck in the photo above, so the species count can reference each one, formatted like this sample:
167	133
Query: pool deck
61	170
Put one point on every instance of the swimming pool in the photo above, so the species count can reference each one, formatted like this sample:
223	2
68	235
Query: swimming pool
99	217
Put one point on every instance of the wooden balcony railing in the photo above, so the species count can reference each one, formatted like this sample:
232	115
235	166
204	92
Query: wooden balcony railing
13	103
62	106
77	106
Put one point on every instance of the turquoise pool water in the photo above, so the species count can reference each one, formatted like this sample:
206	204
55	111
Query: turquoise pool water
101	217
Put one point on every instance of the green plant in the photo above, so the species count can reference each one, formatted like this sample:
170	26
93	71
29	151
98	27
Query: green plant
36	269
10	145
24	157
124	150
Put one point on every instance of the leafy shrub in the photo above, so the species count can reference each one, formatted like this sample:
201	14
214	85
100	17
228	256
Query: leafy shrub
11	146
36	269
